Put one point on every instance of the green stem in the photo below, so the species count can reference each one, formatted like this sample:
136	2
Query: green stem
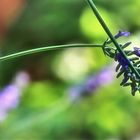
105	27
43	49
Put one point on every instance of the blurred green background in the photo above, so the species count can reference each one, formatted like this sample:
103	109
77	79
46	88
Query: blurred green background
44	109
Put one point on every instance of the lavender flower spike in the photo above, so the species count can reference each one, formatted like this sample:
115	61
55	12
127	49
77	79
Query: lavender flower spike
137	51
122	33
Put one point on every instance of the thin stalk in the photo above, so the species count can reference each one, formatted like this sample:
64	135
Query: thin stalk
105	27
44	49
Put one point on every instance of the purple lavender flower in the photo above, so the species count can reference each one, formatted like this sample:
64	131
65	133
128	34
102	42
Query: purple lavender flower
137	51
130	74
122	61
104	77
9	99
122	33
10	95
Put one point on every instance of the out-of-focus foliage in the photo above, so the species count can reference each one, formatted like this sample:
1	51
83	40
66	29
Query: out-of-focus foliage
96	32
46	109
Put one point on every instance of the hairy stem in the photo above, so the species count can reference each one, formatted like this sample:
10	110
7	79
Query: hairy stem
105	27
43	49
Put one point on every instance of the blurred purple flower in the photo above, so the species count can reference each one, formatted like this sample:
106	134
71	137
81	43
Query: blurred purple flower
122	33
10	95
9	99
104	77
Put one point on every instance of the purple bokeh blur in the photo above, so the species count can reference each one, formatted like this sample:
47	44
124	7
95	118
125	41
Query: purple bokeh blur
104	77
93	82
10	95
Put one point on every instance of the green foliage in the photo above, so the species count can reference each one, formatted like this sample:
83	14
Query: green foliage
96	32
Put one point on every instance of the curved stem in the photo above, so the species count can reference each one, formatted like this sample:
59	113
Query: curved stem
105	27
43	49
